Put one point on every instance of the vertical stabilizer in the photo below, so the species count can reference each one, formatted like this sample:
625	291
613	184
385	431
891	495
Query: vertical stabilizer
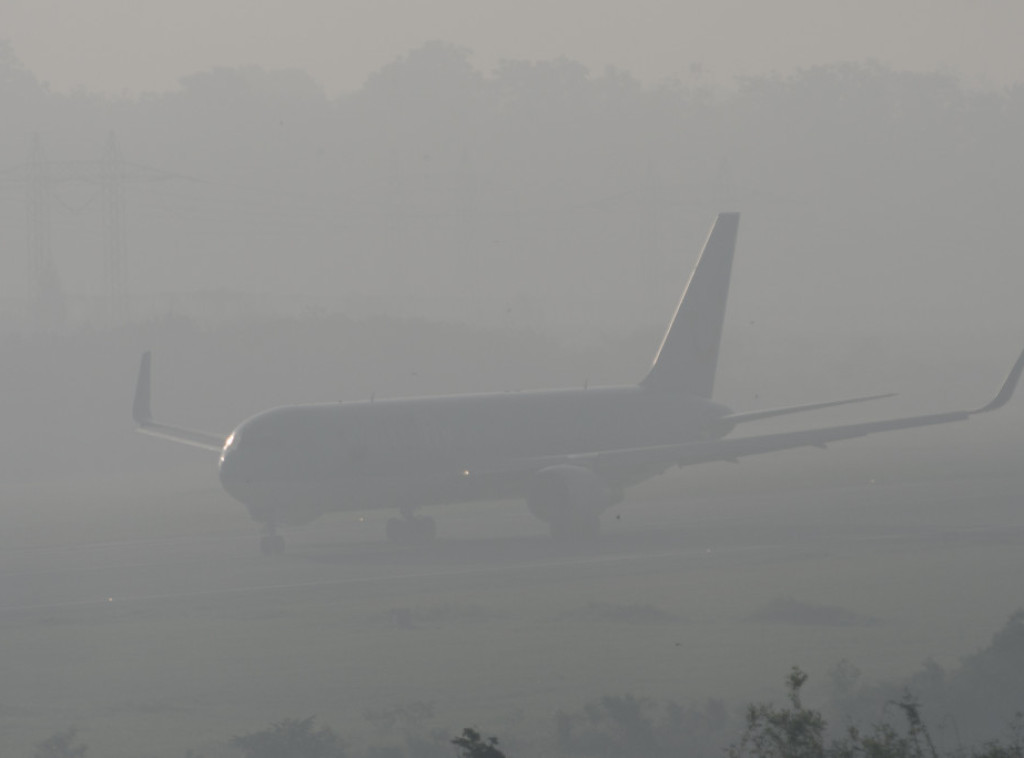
688	355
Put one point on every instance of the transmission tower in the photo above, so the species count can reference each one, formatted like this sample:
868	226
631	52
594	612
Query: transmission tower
48	307
111	174
112	178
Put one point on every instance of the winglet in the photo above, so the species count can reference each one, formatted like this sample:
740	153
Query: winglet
1006	391
140	407
144	423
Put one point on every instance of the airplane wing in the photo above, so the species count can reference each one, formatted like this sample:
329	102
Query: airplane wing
662	457
144	418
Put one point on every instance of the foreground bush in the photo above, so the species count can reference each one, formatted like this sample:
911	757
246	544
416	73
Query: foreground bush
800	732
291	738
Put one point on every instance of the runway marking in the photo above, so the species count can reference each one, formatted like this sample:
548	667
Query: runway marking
107	600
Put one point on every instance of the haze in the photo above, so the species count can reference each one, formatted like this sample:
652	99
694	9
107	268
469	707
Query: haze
343	201
114	46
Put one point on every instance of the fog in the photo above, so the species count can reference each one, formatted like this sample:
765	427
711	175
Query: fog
445	227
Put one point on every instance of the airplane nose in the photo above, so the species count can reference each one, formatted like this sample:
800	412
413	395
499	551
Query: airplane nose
227	470
234	472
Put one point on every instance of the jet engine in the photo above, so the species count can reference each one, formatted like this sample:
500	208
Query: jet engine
570	499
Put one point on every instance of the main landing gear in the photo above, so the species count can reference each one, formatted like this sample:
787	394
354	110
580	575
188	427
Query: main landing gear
271	543
408	529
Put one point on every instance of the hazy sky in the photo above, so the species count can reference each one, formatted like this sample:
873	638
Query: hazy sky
147	45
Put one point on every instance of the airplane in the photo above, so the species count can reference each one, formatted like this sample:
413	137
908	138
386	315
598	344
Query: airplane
569	453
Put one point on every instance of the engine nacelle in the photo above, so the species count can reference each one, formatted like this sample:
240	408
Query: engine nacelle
570	498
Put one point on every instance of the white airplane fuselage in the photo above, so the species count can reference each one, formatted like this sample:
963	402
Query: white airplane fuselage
296	462
568	453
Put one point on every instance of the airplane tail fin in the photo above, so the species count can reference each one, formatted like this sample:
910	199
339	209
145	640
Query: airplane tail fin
688	355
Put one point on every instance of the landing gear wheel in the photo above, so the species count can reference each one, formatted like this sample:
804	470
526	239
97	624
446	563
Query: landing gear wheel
411	530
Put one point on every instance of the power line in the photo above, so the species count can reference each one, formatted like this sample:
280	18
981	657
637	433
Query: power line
49	309
110	174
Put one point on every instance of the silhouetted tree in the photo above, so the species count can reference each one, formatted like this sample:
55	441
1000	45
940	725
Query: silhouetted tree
473	745
291	738
15	79
968	704
61	745
773	732
799	732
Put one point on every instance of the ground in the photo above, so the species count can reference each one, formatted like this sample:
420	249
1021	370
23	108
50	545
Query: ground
151	621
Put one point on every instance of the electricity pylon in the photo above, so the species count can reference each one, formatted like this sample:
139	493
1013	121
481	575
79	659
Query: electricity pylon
111	174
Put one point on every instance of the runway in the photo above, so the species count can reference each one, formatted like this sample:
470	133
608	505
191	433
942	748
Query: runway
143	636
331	552
121	572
